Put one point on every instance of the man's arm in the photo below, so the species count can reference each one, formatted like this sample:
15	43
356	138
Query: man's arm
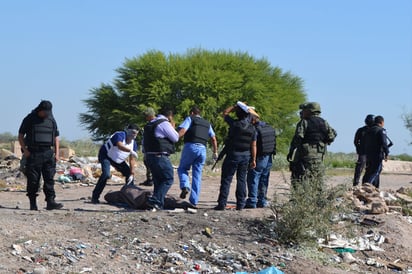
122	147
228	110
183	127
57	148
26	152
253	151
170	132
132	163
213	141
384	143
356	140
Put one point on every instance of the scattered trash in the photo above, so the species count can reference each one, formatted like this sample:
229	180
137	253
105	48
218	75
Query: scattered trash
207	232
17	250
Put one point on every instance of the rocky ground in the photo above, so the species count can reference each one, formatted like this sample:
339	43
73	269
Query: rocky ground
88	238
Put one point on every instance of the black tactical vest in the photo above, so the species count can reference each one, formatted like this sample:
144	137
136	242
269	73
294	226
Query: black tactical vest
151	143
360	139
198	131
316	131
266	140
373	144
241	136
43	133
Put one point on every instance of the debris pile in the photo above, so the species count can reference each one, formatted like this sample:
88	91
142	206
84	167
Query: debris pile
75	169
367	198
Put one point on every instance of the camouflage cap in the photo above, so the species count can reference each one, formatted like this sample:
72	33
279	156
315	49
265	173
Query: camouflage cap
313	107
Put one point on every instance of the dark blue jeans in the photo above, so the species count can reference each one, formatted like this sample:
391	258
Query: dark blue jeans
258	182
162	172
106	162
231	164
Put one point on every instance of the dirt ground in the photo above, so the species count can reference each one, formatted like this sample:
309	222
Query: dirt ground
88	238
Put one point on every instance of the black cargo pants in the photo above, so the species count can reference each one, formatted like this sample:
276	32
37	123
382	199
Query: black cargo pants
41	162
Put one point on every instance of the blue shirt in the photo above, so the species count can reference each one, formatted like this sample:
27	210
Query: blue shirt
188	121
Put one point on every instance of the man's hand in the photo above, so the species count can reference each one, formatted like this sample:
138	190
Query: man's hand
215	156
26	153
252	164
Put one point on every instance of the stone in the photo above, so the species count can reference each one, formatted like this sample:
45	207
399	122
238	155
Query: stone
379	207
40	270
404	197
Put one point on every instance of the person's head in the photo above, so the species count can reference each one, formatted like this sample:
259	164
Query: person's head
369	120
240	113
167	112
254	119
44	109
379	121
309	108
131	131
195	110
149	114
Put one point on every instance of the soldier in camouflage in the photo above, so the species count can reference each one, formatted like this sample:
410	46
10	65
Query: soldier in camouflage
309	143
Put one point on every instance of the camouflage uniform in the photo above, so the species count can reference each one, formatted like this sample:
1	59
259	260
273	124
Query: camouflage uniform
309	143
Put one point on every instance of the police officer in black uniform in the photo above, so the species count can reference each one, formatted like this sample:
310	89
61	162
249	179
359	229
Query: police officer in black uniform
39	139
377	150
241	153
359	142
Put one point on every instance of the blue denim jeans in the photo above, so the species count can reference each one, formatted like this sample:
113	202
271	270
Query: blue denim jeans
373	170
258	182
193	155
162	172
231	164
106	162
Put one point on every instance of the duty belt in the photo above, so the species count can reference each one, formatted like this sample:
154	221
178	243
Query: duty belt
157	153
39	148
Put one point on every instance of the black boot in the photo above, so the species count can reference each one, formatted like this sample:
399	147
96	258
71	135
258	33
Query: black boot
33	203
51	204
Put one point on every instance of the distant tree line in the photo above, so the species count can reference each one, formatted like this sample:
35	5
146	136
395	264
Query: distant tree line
7	137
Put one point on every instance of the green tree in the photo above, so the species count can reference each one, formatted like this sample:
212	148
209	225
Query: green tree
212	80
407	118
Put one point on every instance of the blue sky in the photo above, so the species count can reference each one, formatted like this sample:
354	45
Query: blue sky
355	57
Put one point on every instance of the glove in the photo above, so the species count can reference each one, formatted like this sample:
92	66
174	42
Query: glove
215	156
130	180
134	154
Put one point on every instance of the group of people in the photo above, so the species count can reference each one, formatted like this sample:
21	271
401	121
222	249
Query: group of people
248	149
372	146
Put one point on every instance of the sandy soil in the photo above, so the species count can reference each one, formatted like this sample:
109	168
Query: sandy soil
87	238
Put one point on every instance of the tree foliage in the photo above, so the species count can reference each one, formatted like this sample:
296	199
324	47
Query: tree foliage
407	118
212	80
